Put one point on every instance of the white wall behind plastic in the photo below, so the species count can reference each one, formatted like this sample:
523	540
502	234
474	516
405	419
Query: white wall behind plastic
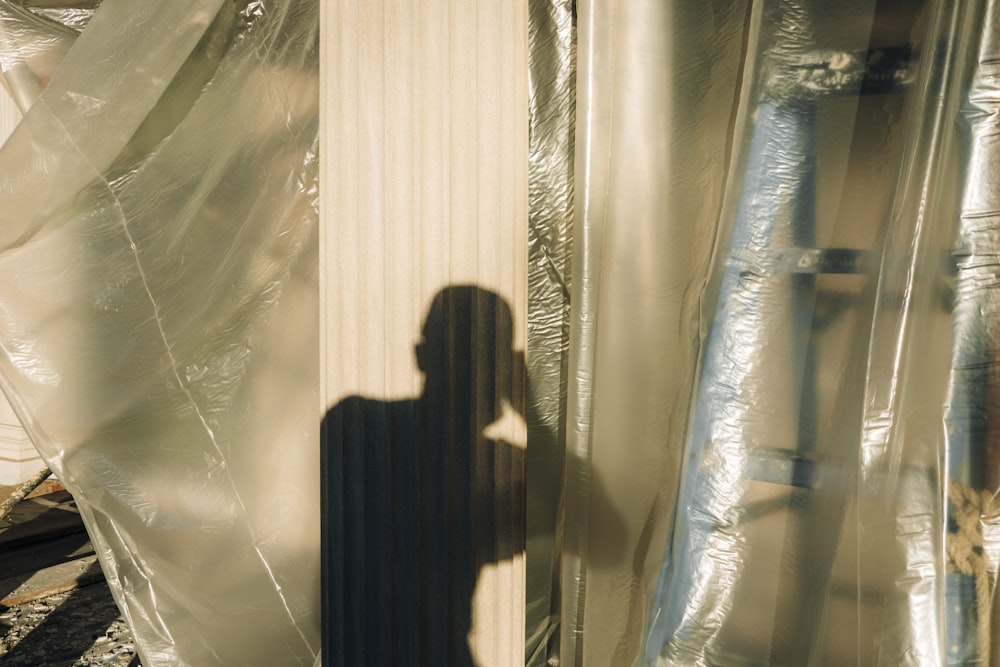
424	186
9	115
18	457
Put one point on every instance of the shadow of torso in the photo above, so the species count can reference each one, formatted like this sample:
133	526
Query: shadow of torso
416	501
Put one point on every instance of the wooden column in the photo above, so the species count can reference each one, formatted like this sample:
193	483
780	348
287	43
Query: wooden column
424	186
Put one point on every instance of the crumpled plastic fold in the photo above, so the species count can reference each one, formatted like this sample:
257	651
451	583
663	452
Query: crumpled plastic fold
820	485
552	81
656	87
158	307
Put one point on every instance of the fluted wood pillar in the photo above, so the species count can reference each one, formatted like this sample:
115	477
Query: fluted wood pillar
424	186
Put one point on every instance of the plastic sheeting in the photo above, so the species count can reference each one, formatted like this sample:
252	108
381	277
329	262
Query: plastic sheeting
782	361
552	81
656	88
158	307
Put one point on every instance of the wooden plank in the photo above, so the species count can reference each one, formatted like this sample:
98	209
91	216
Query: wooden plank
424	145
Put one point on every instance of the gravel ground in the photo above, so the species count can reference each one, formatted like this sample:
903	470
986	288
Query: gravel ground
81	628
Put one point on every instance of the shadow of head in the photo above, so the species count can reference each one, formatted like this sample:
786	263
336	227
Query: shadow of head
466	354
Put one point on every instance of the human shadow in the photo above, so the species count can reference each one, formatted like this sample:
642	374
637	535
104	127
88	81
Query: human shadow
416	496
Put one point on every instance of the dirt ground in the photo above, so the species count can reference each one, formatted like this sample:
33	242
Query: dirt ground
44	550
79	628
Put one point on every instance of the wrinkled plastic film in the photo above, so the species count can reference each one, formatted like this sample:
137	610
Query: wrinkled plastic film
158	309
552	78
896	517
656	91
32	47
739	542
903	459
971	543
811	525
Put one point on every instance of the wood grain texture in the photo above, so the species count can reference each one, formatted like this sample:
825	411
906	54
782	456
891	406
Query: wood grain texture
424	186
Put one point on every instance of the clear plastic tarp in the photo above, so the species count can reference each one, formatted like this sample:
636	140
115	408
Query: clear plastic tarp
158	306
783	367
